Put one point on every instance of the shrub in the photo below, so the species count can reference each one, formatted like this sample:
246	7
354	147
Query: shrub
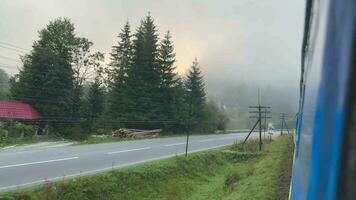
76	132
20	129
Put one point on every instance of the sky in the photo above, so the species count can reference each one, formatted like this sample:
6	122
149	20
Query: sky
236	41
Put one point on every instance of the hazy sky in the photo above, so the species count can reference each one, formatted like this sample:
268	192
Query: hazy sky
235	41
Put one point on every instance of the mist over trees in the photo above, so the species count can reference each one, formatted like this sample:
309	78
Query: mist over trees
73	88
237	97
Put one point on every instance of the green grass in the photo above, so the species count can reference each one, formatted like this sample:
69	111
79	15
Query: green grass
28	140
109	138
90	140
216	174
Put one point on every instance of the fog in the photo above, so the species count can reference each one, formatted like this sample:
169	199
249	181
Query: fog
242	45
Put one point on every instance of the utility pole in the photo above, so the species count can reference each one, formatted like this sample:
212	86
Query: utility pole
258	110
259	117
265	126
188	126
282	122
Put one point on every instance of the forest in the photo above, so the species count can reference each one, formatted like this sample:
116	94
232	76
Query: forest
81	92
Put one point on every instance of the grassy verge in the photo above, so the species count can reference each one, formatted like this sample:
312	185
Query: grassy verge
93	139
28	140
218	174
97	139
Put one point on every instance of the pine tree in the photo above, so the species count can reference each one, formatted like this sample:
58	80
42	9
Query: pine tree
95	101
121	55
195	95
143	76
166	60
46	80
170	85
121	63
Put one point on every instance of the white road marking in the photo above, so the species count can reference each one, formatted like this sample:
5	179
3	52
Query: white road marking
227	138
206	140
123	151
38	162
60	145
90	172
175	144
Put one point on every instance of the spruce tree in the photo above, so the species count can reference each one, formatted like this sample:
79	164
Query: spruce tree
121	56
166	60
143	77
95	101
195	95
170	87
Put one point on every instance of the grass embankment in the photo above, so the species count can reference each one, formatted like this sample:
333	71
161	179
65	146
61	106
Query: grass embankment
218	174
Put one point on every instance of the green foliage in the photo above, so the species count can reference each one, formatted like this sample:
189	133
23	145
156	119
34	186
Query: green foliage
77	132
3	136
214	118
173	178
231	180
4	85
145	90
143	77
121	62
195	96
46	80
24	130
139	89
171	87
206	175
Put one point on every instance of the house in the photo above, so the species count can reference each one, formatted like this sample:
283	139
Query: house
17	111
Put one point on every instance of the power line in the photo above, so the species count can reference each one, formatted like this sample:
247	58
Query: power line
12	59
14	46
13	49
8	67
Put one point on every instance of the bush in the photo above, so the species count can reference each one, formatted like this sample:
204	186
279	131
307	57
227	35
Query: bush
76	132
22	130
3	135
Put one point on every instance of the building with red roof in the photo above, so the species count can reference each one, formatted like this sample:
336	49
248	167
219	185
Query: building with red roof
18	111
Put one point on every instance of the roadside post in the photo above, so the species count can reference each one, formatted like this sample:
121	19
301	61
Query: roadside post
188	123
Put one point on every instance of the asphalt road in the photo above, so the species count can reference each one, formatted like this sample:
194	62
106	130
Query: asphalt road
21	168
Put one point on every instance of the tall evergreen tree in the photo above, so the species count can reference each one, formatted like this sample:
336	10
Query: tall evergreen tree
166	60
170	84
195	94
143	76
46	80
121	55
121	62
95	101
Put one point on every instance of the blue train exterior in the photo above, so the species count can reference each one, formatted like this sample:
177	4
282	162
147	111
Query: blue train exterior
324	124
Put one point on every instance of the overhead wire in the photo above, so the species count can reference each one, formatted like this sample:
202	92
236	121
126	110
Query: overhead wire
12	59
14	46
13	49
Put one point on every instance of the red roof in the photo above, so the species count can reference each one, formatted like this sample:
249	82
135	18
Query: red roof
18	111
